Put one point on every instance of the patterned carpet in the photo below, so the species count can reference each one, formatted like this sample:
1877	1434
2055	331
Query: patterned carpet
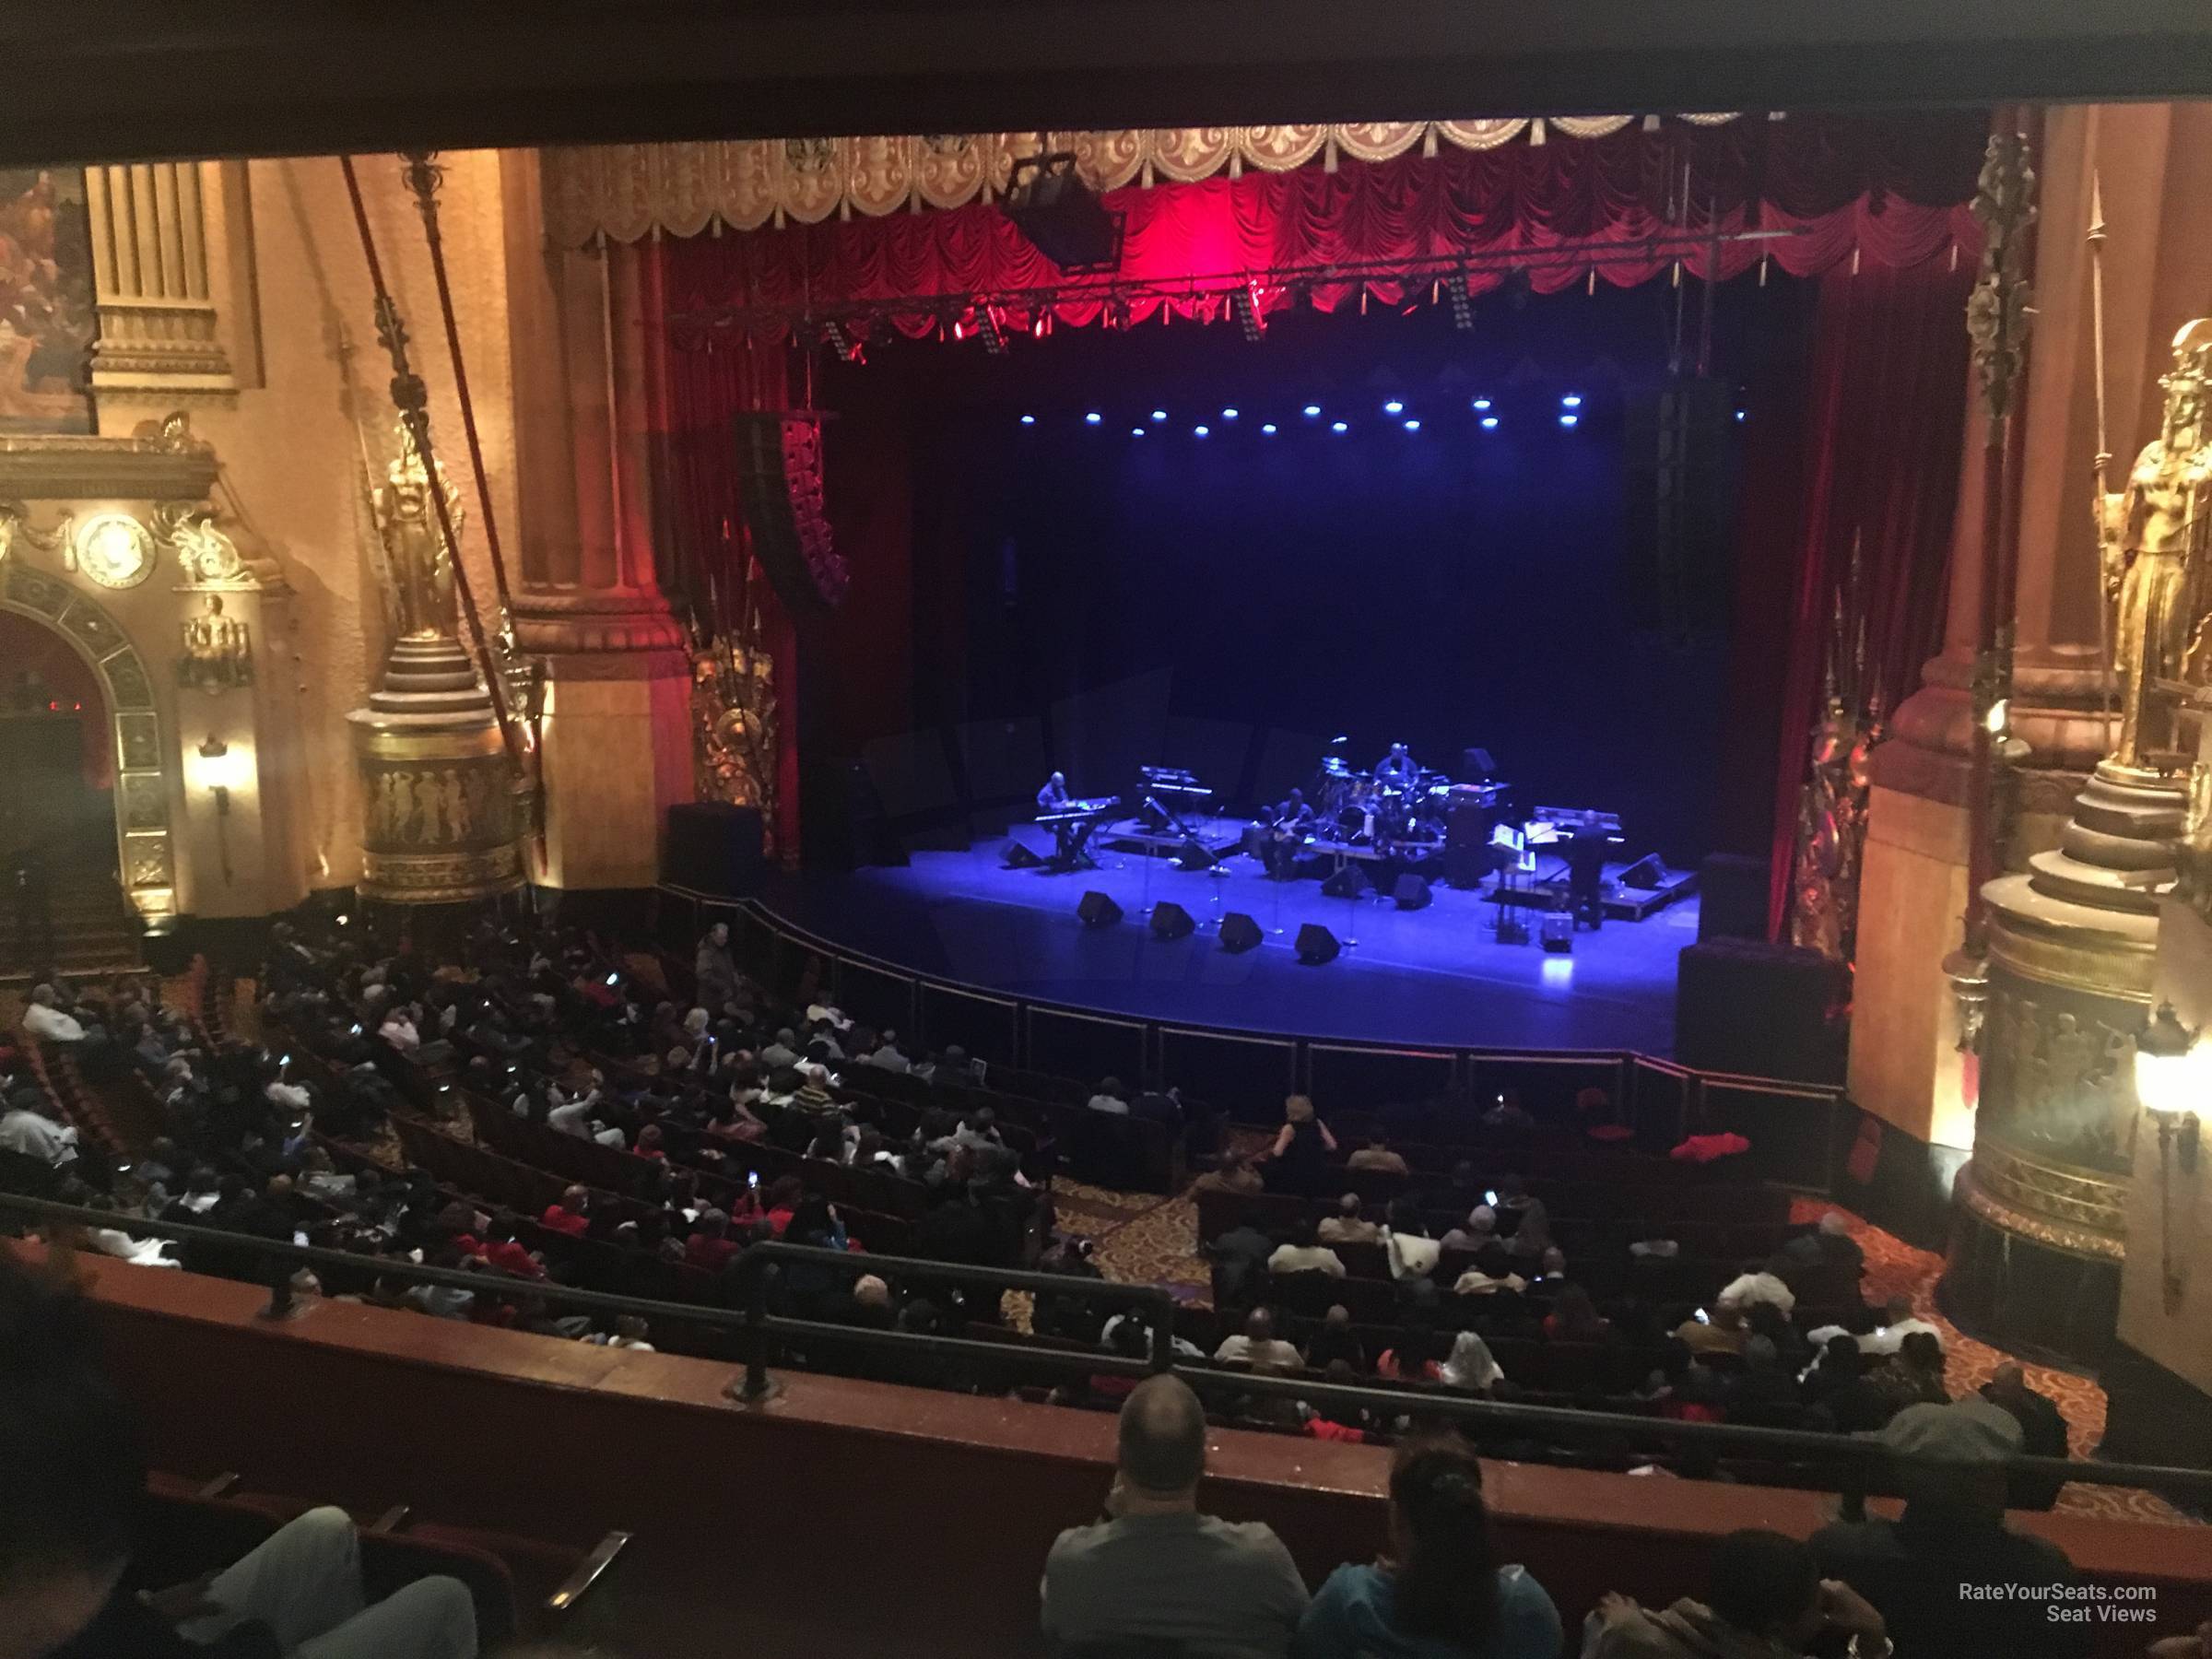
1144	1239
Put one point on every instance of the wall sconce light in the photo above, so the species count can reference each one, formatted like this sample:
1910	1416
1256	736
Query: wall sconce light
2168	1084
219	771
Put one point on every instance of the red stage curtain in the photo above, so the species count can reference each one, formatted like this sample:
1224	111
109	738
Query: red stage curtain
1871	454
1890	192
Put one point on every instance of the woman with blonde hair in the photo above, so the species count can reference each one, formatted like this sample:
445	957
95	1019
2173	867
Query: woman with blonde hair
1299	1161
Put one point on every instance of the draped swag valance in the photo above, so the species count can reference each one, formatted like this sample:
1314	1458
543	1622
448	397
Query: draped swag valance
624	192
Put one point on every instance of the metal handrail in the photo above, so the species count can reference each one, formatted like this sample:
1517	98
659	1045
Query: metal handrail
1855	1454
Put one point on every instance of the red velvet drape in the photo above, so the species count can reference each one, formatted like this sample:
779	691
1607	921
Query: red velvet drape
1875	439
1890	192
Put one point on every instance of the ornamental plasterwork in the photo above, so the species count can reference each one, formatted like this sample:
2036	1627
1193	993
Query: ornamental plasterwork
627	191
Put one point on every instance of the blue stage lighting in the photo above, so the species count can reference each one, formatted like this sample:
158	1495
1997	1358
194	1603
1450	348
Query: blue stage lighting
1029	420
1489	423
1312	411
1160	415
1394	408
1199	431
1136	431
1739	413
1228	414
1338	426
1093	419
1412	424
1568	420
1269	429
1573	400
1481	404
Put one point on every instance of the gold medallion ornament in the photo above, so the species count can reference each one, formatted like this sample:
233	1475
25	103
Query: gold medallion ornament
112	548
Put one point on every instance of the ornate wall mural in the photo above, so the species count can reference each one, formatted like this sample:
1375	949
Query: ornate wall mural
46	316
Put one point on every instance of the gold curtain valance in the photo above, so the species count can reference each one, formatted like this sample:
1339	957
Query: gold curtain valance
627	191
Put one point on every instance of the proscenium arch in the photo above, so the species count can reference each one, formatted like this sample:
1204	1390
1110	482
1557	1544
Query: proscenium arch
144	855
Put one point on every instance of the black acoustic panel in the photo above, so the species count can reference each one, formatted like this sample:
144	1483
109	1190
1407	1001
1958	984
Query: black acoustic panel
1097	909
1792	1131
1411	892
1348	1077
987	1027
1731	896
1087	1046
1760	1010
1247	1078
1171	921
714	847
1347	883
1239	932
1316	945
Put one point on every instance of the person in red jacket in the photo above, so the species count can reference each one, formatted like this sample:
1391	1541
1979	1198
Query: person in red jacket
711	1247
567	1215
500	1248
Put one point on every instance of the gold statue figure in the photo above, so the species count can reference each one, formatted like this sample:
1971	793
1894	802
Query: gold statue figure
406	522
2157	537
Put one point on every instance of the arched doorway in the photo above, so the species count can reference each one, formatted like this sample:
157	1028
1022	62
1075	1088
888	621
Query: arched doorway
65	678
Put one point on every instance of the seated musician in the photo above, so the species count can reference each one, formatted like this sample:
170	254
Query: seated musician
1053	795
1289	824
1397	768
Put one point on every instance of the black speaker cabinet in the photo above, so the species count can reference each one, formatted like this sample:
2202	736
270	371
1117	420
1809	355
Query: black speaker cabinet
714	847
1018	857
1316	945
1347	883
1647	873
1171	921
1731	896
1765	1010
1411	892
1096	910
1239	932
1194	856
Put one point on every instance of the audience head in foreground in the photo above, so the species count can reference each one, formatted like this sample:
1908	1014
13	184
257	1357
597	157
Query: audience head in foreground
1154	1570
1767	1598
1441	1592
72	1478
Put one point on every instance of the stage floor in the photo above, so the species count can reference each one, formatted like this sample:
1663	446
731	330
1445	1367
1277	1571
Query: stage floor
1429	976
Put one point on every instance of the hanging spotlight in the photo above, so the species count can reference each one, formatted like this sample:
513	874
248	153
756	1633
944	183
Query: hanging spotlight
1573	400
1462	305
1481	404
1394	408
1338	427
1245	303
1568	420
1489	423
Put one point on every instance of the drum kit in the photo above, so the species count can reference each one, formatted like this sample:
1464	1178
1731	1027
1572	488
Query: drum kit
1403	817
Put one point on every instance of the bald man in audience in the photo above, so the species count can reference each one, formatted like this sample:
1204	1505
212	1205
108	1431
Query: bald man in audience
1155	1571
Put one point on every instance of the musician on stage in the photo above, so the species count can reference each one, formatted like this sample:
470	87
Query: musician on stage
1585	851
1397	768
1288	826
1053	795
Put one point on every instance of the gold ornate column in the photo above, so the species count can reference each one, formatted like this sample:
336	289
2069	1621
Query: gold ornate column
617	733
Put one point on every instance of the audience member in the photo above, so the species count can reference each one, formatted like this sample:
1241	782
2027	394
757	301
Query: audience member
1346	1225
1156	1570
1952	1533
1376	1155
1301	1252
2042	1433
1258	1346
1441	1592
1767	1598
1470	1365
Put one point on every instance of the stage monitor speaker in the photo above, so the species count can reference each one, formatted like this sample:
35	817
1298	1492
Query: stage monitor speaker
1347	883
714	847
1240	933
1731	896
1097	909
1193	855
1411	892
780	492
1559	931
1316	945
1763	1010
1171	921
1019	857
1647	873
